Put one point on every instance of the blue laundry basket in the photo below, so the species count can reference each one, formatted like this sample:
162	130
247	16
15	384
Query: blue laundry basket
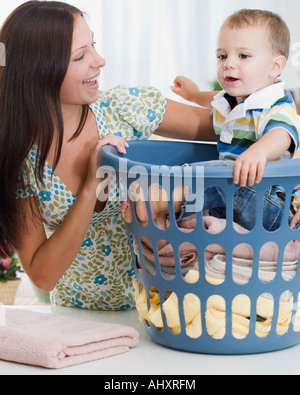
150	162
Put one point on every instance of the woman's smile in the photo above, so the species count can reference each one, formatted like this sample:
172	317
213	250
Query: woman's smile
92	83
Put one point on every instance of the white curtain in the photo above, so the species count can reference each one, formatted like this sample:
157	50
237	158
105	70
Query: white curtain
152	41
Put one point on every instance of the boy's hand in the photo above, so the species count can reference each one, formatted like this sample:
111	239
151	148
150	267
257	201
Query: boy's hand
296	218
250	165
185	88
249	168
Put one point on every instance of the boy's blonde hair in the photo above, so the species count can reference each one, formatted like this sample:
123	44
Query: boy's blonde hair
279	33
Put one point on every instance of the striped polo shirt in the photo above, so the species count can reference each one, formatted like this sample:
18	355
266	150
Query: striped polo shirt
238	128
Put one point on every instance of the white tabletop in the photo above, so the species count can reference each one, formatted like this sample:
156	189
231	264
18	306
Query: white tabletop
149	358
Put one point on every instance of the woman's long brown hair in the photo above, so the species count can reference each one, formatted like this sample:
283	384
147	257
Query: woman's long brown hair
38	39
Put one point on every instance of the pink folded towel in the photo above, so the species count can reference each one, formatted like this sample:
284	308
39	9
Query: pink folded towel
55	342
189	253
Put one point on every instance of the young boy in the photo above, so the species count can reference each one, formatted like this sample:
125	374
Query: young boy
254	117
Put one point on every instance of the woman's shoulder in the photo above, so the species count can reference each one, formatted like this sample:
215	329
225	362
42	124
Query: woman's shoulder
141	108
124	94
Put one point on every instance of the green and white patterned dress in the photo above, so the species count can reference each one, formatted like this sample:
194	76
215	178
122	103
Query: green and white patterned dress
101	276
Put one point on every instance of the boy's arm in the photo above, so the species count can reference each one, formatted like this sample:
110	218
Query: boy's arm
188	90
249	166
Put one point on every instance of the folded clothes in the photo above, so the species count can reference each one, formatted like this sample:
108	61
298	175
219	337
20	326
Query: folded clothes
189	253
215	268
241	309
169	272
242	270
215	315
191	305
54	342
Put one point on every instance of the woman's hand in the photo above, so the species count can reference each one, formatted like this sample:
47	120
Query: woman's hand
116	141
109	139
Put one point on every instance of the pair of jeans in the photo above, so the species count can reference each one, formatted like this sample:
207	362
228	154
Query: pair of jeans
245	203
244	206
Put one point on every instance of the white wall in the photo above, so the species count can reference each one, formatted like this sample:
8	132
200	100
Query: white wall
151	41
292	17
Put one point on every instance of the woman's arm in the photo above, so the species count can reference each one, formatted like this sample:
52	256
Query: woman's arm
46	260
185	122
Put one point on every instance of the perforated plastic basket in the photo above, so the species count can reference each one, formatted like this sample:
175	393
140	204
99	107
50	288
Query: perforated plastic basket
144	162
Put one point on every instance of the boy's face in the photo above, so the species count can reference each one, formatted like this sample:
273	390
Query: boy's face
245	61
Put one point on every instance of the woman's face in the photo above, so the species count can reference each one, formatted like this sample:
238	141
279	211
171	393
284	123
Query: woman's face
80	85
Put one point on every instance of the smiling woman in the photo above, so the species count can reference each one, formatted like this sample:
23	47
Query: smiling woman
52	99
56	121
84	68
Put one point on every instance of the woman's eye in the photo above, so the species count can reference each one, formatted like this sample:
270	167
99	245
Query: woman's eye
80	58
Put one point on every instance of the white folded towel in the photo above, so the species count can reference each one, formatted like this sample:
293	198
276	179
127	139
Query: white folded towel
242	269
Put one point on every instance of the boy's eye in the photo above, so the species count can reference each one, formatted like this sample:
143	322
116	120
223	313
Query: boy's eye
221	57
244	56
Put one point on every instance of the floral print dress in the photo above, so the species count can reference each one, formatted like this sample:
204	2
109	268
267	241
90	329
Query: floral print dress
101	277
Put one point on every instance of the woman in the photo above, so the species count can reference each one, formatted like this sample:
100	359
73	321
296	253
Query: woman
53	123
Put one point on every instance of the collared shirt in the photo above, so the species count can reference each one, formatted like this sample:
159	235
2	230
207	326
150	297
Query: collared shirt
237	129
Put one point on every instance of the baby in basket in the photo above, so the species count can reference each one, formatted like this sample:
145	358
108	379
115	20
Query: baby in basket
254	118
